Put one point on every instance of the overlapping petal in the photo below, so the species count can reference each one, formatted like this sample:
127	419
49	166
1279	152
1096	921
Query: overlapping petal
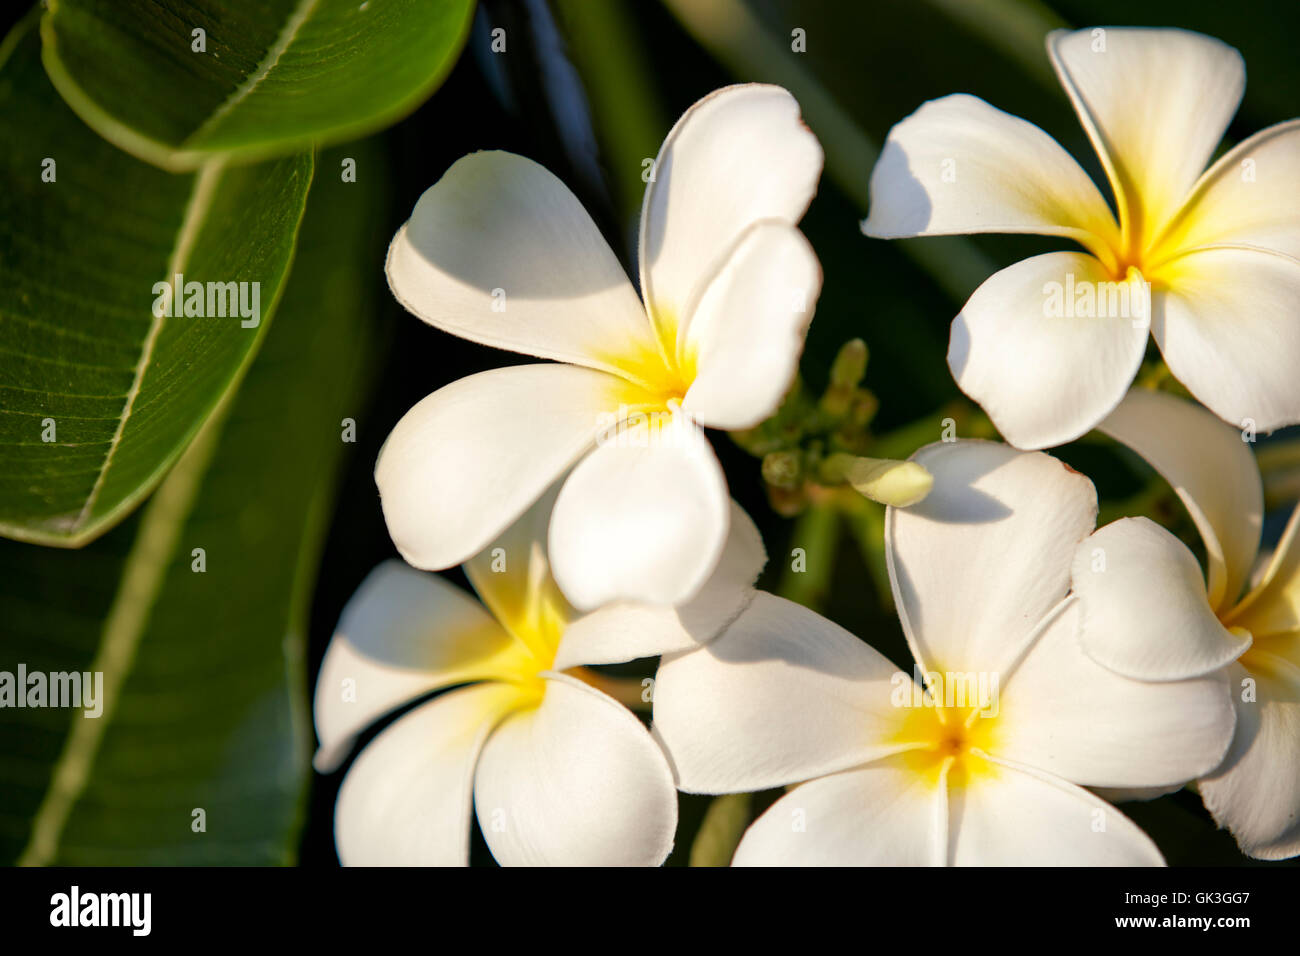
500	252
466	461
403	634
625	630
979	564
739	156
783	695
1018	816
1155	104
512	576
1213	472
880	815
1273	605
1145	610
578	782
1043	372
1256	794
406	800
1249	197
1069	716
1227	327
642	521
745	336
958	165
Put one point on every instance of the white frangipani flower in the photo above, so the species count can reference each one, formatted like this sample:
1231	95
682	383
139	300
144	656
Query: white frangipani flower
558	771
1208	262
1148	612
499	251
981	575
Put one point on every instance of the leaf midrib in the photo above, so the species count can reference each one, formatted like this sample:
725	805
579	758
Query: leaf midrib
196	210
288	33
142	578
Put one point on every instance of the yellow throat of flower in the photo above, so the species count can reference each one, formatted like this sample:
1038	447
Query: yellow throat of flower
1142	246
949	744
661	374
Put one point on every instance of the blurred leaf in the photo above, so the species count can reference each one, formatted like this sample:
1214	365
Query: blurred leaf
204	690
612	59
1016	28
730	31
719	835
272	76
86	362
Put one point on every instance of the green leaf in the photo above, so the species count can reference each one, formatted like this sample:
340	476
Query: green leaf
98	396
204	690
719	835
273	76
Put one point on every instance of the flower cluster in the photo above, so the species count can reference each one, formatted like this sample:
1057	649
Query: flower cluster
1058	667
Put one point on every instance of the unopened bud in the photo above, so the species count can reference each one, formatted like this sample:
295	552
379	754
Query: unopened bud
850	364
781	469
887	480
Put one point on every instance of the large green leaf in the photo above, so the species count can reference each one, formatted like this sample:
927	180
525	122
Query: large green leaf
85	361
274	75
203	686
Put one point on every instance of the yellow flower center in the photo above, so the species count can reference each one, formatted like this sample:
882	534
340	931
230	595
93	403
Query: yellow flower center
1267	619
533	611
949	743
1275	655
1138	242
661	374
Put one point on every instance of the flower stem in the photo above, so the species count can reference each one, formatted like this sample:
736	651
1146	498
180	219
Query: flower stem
719	835
806	578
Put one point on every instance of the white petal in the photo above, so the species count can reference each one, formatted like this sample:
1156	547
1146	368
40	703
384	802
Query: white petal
881	815
746	335
738	156
1256	794
576	782
1067	715
1273	606
625	631
470	458
783	695
406	799
513	577
499	251
1155	103
979	564
1021	817
958	165
403	634
1043	365
1251	196
1212	470
1229	328
641	522
1145	610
